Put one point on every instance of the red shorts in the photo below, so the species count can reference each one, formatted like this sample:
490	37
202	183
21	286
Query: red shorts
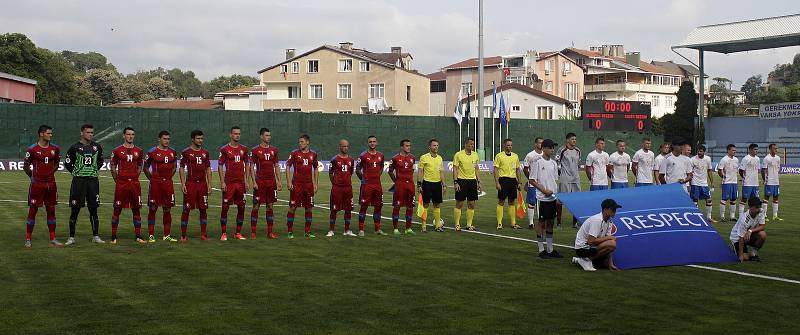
371	195
161	193
342	198
267	192
128	193
42	194
302	195
196	196
234	194
404	192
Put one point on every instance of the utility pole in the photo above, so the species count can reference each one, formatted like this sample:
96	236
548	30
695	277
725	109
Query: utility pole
479	94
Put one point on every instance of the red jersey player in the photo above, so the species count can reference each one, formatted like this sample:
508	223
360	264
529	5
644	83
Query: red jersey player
232	168
160	167
265	178
303	184
340	174
369	168
41	163
195	183
401	170
126	165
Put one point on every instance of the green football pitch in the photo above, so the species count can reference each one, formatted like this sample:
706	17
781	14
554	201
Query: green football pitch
453	282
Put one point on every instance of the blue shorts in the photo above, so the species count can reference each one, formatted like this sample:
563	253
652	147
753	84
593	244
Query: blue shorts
598	187
730	192
700	192
643	184
530	196
771	191
615	185
749	192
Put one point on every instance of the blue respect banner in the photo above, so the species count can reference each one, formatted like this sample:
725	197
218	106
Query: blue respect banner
656	226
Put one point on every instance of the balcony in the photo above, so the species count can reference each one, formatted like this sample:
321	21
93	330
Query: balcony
631	87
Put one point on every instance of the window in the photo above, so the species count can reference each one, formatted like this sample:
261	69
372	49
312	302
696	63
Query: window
571	91
313	66
345	91
363	66
315	91
656	100
345	112
284	68
376	91
345	65
642	97
581	61
438	86
548	65
567	66
515	79
514	62
466	89
668	101
516	108
544	112
598	62
600	79
294	92
295	67
408	93
548	86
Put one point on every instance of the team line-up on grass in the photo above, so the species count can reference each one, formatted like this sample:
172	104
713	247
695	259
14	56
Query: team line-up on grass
549	171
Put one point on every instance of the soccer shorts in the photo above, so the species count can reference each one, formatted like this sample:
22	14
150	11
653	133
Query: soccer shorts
749	192
84	191
547	210
196	196
161	193
342	198
530	195
370	195
508	189
127	193
468	189
598	187
403	195
267	192
431	192
589	253
643	184
569	187
753	242
772	191
700	192
42	194
234	194
302	195
729	192
616	185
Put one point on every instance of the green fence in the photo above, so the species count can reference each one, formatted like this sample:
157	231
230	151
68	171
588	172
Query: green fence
19	122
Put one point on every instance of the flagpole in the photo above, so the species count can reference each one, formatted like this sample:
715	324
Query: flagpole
479	126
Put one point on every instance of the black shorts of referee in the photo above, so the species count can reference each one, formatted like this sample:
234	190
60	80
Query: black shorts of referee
468	189
431	192
508	188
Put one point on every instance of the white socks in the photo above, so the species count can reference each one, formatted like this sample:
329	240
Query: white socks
774	209
531	215
549	242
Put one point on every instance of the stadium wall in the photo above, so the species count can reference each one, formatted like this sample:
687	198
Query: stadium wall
19	122
741	131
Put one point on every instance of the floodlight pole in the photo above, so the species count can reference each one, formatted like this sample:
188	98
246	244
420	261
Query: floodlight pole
702	101
479	94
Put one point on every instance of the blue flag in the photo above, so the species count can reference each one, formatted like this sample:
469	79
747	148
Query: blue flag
502	116
494	98
656	226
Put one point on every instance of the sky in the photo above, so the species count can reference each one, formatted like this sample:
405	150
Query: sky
214	38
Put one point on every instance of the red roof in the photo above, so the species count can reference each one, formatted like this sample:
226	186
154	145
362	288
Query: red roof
243	90
437	76
174	104
473	62
526	89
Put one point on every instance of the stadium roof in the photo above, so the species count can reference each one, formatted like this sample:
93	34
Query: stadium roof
765	33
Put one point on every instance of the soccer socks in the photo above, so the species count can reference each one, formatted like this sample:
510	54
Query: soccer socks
332	221
151	220
376	218
308	217
203	221
362	216
395	216
531	215
437	216
775	209
253	220
166	220
732	208
94	221
269	219
348	217
708	210
409	217
30	221
549	238
499	214
51	221
290	221
223	218
741	208
137	221
722	205
239	218
470	215
115	222
184	221
457	217
512	215
540	242
73	220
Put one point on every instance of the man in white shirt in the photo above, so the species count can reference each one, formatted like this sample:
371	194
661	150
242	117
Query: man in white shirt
596	163
595	241
664	152
642	166
769	173
749	231
702	180
749	169
543	176
727	170
530	191
618	164
676	168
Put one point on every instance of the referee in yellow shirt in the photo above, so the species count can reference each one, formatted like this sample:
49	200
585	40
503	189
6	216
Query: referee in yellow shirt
507	182
466	181
430	175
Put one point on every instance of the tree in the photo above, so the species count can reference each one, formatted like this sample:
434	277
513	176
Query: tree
107	85
83	62
185	83
682	122
226	83
161	88
751	86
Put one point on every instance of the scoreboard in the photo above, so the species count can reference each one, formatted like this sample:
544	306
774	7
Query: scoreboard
616	115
